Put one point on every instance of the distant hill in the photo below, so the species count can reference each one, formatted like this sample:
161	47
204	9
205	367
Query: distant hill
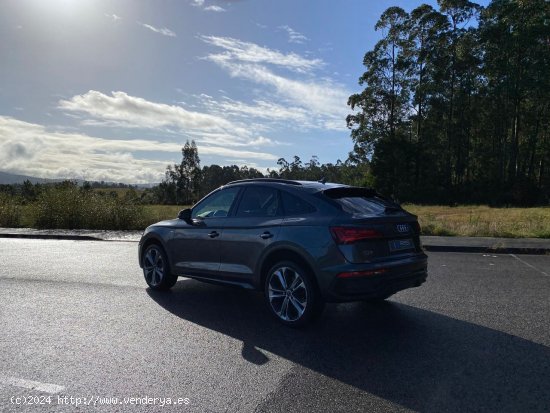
7	178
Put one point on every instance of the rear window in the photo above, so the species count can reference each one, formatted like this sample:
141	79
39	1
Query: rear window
259	202
294	205
360	201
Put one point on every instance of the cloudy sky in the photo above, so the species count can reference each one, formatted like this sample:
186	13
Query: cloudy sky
112	89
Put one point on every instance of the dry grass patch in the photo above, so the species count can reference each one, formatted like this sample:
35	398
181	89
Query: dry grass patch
483	221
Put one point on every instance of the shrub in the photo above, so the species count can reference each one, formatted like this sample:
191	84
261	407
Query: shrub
67	206
10	211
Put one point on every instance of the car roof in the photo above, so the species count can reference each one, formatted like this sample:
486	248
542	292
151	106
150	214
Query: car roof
309	186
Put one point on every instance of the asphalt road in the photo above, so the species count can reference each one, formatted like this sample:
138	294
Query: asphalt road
76	320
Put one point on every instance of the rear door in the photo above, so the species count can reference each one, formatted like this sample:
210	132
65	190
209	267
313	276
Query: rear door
255	225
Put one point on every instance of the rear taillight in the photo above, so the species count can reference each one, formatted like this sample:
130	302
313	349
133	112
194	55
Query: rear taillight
416	227
349	235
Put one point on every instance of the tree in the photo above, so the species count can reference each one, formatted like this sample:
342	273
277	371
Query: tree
516	43
455	105
380	126
185	176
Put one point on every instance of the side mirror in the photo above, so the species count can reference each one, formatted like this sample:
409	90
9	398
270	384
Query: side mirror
185	214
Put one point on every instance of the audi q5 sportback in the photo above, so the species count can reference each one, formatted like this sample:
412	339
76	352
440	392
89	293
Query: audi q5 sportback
302	243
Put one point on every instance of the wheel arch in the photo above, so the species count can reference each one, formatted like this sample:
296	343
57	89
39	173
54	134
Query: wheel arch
285	253
152	239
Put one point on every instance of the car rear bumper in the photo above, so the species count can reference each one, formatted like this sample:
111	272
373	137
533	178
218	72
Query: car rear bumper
396	276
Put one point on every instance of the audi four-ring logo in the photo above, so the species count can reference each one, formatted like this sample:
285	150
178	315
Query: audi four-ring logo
403	227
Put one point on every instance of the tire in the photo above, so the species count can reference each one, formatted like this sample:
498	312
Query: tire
291	295
156	270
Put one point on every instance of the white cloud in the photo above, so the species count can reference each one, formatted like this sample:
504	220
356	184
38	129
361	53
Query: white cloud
33	149
215	8
219	151
164	31
293	35
264	115
253	53
113	17
265	110
263	141
121	109
223	126
320	99
308	102
259	109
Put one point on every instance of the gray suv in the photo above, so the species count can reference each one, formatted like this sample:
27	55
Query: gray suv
302	243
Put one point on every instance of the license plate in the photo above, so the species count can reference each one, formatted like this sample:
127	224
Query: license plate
401	244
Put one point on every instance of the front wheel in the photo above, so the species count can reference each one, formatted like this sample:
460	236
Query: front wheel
291	295
156	269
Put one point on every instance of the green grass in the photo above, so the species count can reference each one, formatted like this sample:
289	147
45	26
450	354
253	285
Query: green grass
483	221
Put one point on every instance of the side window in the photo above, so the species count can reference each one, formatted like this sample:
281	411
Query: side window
259	201
216	205
294	205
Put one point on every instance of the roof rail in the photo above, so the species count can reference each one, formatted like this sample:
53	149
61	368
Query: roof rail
273	180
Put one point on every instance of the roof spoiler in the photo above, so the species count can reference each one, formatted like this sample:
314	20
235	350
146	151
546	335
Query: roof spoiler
272	180
356	191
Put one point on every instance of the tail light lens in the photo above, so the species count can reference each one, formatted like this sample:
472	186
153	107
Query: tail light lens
349	235
416	226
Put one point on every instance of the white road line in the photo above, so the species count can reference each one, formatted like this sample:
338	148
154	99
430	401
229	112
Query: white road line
529	265
32	385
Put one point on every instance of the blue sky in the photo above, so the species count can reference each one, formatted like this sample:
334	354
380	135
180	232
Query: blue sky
111	89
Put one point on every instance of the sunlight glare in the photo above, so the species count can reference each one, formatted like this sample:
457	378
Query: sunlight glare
62	7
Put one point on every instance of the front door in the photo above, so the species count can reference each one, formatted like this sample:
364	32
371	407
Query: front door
196	247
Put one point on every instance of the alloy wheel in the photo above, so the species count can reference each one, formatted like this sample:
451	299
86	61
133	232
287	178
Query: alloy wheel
153	267
287	293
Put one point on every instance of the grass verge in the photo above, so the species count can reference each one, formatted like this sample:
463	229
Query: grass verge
483	221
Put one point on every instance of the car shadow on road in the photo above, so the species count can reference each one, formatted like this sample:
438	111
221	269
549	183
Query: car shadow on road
415	358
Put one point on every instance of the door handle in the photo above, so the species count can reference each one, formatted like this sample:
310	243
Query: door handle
266	235
214	234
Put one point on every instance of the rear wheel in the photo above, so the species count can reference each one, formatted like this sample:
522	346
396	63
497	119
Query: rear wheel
156	269
291	295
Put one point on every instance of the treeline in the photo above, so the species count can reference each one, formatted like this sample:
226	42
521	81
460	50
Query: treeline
186	182
27	192
456	103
